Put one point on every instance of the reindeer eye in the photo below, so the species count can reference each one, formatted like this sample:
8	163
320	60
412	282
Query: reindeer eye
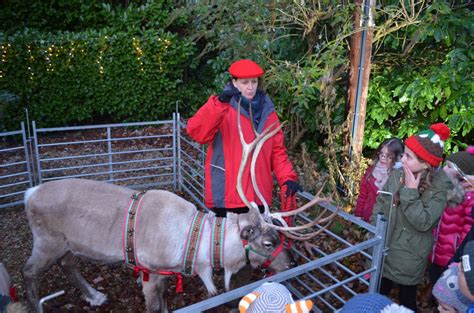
268	244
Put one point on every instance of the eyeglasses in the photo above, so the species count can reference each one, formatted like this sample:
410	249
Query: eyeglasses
459	172
385	156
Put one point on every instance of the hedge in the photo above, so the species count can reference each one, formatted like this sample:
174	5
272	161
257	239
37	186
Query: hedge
71	78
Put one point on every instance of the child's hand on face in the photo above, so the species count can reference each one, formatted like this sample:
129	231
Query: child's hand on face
411	180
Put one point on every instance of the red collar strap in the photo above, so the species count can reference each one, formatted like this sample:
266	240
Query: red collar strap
13	295
146	276
277	251
269	258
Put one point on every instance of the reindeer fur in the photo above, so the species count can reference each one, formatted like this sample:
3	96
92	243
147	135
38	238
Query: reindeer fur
78	217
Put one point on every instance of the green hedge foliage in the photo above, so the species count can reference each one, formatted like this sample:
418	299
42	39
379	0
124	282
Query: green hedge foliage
71	78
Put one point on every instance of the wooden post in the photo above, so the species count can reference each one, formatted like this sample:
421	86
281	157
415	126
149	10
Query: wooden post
360	61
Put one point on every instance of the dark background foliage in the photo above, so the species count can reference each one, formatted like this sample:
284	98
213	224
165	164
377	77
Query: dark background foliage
76	62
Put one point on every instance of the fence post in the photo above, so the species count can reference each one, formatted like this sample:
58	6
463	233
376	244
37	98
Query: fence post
178	149
109	148
38	156
27	154
378	253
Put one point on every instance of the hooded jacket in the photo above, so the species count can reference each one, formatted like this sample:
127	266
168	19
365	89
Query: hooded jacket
367	195
454	225
215	123
409	226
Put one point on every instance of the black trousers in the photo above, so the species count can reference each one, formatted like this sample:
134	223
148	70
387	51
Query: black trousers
222	212
406	294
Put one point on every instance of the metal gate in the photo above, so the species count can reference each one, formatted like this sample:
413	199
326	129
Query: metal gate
148	154
138	155
15	169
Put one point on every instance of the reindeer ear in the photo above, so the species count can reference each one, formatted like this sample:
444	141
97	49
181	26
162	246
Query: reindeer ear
252	218
246	301
250	233
303	306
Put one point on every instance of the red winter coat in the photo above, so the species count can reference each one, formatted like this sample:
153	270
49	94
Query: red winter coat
367	196
215	123
453	226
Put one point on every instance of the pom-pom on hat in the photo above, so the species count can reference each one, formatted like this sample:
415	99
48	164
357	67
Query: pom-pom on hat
245	69
273	298
464	160
446	290
428	145
372	303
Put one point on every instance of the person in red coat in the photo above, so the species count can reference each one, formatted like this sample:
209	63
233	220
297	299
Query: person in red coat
215	124
386	158
457	219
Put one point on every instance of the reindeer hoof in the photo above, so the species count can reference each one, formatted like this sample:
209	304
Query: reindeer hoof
98	299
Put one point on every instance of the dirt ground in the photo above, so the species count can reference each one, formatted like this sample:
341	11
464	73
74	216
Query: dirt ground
117	282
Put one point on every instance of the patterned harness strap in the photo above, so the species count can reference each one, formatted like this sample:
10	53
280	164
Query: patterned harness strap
193	243
216	242
128	237
129	243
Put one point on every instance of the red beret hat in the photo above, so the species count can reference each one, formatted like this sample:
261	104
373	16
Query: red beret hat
245	69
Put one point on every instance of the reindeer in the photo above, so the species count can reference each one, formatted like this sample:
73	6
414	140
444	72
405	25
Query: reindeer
79	217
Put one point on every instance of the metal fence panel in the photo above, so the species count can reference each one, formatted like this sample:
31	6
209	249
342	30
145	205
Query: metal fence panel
15	167
325	275
191	157
134	154
326	278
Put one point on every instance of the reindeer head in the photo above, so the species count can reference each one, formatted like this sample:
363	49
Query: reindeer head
264	245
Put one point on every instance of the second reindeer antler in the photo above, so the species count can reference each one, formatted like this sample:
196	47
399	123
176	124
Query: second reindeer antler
293	232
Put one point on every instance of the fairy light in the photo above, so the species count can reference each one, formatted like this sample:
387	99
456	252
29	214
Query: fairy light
51	54
31	60
138	52
103	48
4	58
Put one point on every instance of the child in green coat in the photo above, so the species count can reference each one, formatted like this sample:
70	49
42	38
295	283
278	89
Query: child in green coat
419	191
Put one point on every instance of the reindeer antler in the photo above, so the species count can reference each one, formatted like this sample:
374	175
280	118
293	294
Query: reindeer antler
247	149
290	231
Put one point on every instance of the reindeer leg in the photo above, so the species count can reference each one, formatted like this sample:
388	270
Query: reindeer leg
42	257
154	291
205	274
94	297
227	275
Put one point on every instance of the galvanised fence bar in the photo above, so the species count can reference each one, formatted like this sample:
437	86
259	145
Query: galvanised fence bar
333	272
15	168
191	166
134	154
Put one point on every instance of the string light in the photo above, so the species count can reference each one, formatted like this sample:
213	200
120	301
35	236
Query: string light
138	52
50	54
31	59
